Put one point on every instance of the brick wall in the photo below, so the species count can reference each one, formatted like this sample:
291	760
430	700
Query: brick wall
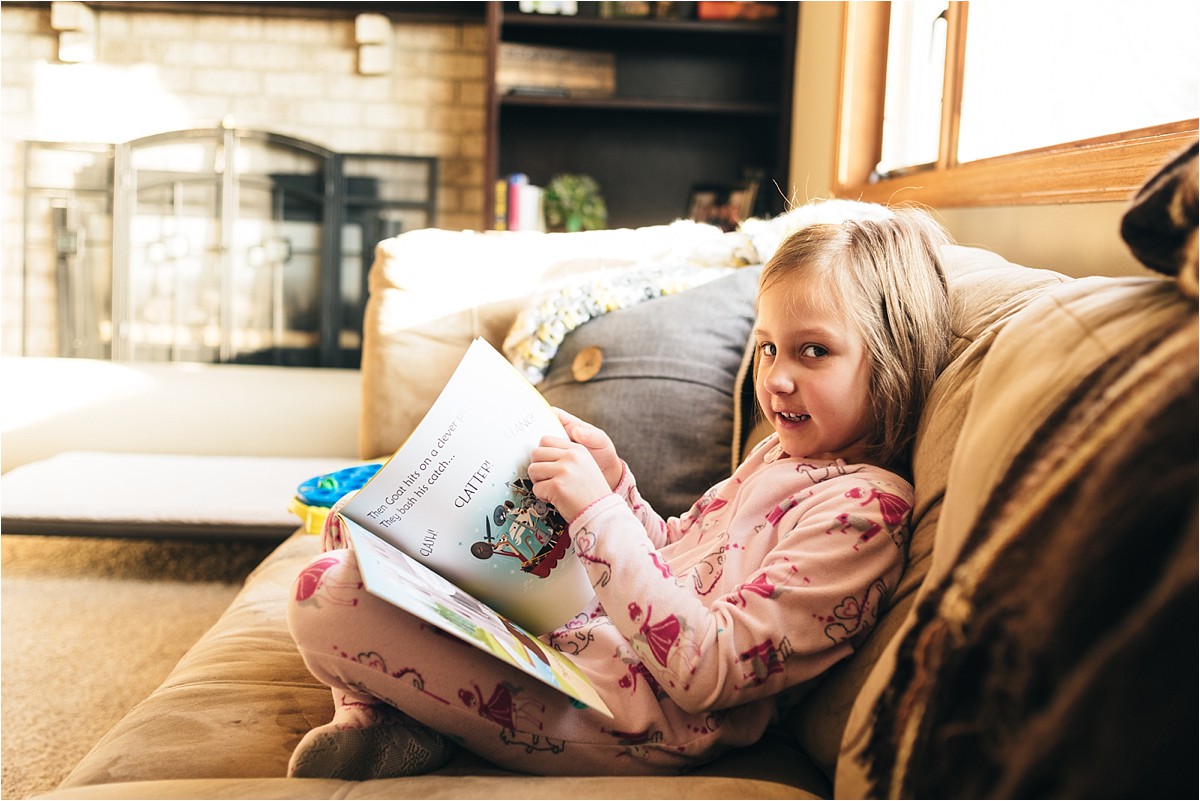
164	71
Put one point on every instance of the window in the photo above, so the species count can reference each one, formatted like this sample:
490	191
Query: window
916	69
1015	102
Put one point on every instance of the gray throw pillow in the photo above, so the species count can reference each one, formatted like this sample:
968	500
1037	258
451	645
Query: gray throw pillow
659	377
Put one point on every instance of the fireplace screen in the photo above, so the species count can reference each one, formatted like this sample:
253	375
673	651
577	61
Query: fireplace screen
215	245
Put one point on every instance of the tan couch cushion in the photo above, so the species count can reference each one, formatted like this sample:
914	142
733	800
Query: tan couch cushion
225	721
1034	371
758	773
985	292
233	705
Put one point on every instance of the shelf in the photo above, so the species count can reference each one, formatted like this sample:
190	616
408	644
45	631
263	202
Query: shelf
322	9
641	104
695	101
560	22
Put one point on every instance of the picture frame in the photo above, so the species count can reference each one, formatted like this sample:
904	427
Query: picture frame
722	205
626	10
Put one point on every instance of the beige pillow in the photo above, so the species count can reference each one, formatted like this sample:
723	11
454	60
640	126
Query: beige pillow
985	291
433	291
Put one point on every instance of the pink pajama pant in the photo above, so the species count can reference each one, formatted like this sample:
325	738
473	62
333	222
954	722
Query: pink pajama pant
369	651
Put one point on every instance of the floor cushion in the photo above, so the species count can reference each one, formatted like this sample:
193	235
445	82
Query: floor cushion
90	493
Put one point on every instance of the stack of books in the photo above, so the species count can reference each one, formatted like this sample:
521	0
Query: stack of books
520	205
555	71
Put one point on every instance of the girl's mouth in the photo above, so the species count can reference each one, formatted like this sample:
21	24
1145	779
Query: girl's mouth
794	418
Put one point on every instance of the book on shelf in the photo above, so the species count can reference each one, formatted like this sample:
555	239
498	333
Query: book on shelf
736	10
564	7
531	208
615	9
449	529
523	204
524	69
500	205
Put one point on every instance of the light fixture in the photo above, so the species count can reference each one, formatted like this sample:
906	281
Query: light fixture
373	34
76	26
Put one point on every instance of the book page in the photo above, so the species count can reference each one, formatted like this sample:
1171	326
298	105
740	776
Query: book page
407	584
457	497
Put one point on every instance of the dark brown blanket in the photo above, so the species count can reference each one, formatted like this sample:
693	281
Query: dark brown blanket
1060	659
1160	225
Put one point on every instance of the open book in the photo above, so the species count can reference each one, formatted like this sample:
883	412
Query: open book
449	528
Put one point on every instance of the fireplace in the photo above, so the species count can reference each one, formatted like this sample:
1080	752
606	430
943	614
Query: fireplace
218	245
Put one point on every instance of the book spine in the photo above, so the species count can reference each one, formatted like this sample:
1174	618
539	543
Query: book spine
500	220
515	181
533	214
531	211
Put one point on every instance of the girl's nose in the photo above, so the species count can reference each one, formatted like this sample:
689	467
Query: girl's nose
778	381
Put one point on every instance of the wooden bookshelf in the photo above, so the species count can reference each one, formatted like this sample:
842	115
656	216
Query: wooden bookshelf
696	101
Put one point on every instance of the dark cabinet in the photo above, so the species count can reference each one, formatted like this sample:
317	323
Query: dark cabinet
696	102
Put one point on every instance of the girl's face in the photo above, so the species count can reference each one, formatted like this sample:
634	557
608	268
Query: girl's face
813	379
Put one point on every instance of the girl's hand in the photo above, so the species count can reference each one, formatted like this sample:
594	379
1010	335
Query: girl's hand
566	474
598	444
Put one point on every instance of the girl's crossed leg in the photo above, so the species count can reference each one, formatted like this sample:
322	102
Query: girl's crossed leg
369	651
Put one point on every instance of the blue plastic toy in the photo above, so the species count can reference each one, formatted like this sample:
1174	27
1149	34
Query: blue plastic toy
315	497
328	488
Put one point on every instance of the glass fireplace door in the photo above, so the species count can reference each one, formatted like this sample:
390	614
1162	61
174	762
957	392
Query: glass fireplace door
211	245
219	238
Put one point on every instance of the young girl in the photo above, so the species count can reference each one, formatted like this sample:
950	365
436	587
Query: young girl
705	626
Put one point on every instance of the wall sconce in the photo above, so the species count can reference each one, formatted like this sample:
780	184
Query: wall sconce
76	26
373	33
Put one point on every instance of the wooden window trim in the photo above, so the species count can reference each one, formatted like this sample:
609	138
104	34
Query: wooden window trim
1108	168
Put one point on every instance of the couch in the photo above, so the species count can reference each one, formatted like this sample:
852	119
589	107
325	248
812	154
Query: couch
1042	641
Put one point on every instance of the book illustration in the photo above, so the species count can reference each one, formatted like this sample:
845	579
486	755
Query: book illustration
457	497
407	584
529	530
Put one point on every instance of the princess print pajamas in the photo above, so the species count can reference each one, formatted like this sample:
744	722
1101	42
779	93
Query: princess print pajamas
702	628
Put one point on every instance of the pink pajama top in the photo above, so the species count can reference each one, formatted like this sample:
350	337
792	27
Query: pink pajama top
774	575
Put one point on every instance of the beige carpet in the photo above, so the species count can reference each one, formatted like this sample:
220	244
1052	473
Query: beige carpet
89	627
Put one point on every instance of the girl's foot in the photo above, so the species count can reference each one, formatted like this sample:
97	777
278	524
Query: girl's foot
391	745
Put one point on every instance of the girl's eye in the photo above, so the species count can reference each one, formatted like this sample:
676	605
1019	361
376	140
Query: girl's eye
767	348
813	351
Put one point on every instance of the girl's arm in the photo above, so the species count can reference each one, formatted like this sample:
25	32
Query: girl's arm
792	615
615	471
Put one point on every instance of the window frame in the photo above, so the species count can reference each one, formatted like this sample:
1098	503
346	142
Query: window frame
1104	168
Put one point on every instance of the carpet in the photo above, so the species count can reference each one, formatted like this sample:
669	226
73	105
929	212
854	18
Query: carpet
88	628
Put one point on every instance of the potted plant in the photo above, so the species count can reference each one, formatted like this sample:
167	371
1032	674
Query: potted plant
573	203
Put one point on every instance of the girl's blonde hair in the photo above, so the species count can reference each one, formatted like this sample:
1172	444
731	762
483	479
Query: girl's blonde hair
885	276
